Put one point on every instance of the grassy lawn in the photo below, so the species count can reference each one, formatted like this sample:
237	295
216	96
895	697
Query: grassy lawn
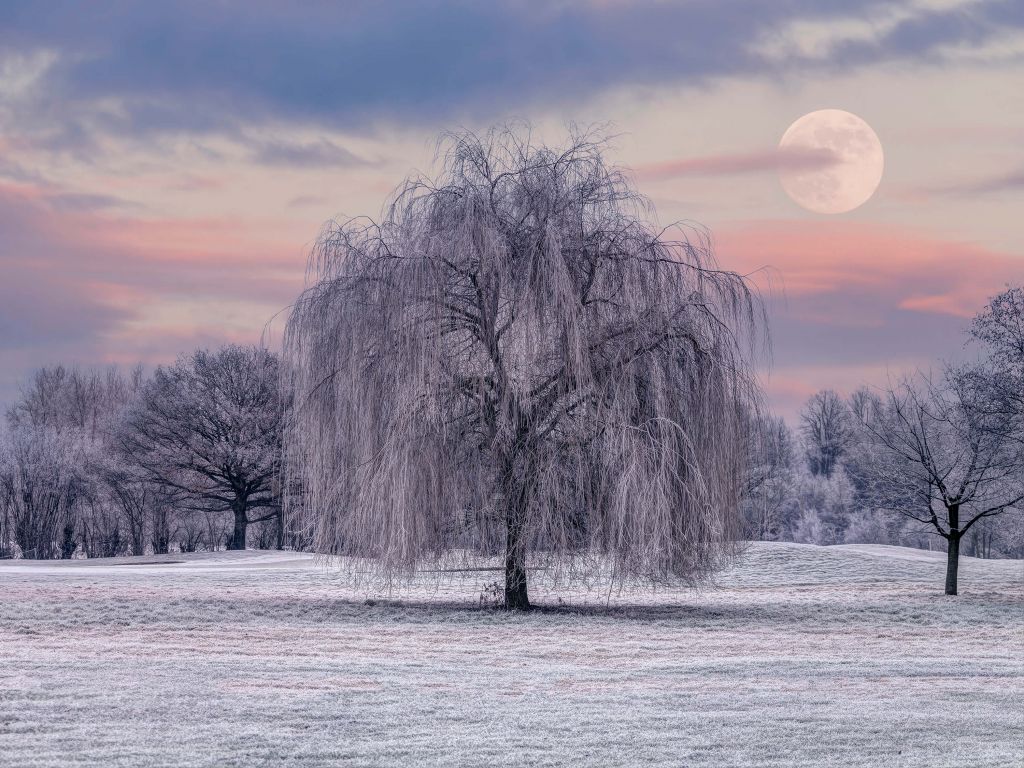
798	655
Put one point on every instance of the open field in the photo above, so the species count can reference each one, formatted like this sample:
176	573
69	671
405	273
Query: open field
800	655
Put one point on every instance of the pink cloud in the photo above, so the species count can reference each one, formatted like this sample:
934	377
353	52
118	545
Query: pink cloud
771	160
84	285
908	270
854	303
947	304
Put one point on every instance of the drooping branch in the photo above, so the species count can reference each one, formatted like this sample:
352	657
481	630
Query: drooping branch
517	334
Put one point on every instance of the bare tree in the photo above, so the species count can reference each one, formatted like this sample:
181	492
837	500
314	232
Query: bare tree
43	402
770	478
865	405
40	485
514	355
80	406
137	500
998	381
826	429
937	459
208	430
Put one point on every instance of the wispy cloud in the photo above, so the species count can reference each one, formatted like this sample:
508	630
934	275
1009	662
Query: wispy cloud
794	158
81	201
313	154
1004	182
75	278
851	260
304	201
856	298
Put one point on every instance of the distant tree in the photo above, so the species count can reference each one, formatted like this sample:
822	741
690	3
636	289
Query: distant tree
821	507
136	499
865	405
515	355
826	430
73	399
72	407
41	483
998	381
207	430
43	401
938	459
770	477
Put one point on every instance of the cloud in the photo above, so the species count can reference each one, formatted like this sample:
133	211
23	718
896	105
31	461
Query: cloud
84	283
1005	182
305	201
314	154
191	182
794	158
850	257
853	302
41	309
138	69
73	201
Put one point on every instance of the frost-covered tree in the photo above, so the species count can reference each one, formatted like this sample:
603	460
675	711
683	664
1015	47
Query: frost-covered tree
998	381
515	360
939	459
865	405
821	507
770	477
66	413
207	430
41	483
826	430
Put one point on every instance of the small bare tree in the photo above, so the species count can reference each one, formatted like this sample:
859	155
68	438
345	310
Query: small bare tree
208	431
937	458
826	430
515	359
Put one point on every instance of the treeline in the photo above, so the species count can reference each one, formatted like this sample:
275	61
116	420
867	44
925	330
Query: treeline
935	461
104	463
98	463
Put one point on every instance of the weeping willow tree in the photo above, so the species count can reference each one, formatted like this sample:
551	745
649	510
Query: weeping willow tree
514	361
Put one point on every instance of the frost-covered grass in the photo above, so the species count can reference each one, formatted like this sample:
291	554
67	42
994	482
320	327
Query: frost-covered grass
800	655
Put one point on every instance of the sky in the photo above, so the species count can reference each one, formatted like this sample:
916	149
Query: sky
165	168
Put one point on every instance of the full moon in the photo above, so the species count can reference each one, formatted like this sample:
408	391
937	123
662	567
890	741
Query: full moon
830	161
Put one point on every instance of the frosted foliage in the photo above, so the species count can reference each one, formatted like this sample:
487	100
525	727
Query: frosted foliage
513	359
40	480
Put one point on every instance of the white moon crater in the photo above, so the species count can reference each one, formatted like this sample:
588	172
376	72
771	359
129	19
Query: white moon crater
830	161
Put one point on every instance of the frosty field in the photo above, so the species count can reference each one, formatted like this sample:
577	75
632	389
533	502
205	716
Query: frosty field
799	655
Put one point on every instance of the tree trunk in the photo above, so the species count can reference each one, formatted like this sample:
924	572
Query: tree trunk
68	545
516	596
241	522
952	548
280	529
952	562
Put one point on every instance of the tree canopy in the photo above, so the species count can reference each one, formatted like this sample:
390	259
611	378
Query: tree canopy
516	358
